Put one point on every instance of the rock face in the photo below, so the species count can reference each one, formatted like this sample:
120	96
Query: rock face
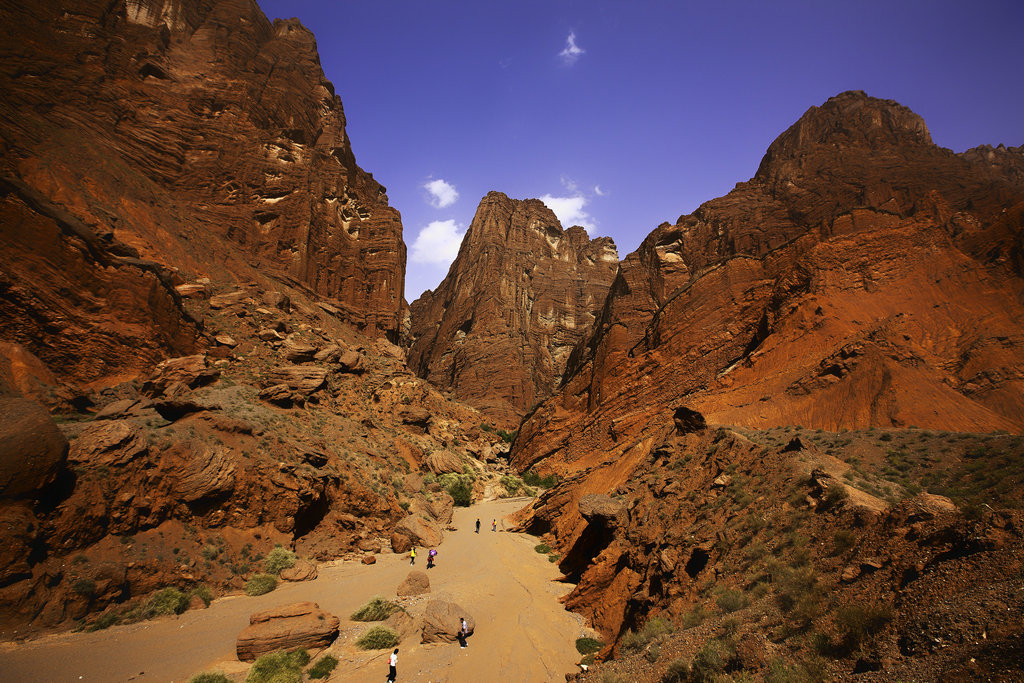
289	627
501	326
864	277
181	132
32	449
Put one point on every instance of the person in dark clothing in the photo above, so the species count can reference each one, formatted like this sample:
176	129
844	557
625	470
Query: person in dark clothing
478	525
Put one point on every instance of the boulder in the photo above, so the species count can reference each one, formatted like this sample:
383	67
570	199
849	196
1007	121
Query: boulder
443	462
414	415
206	472
602	509
420	531
441	622
113	443
297	350
369	545
192	371
329	354
226	340
174	408
278	300
33	450
369	559
227	299
115	409
400	543
287	627
301	378
302	570
192	290
269	335
351	361
417	583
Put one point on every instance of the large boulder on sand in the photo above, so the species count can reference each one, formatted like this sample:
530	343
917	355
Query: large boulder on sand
441	622
32	449
302	570
287	627
422	532
417	583
400	543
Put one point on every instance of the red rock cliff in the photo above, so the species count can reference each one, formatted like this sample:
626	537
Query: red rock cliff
521	293
193	133
863	277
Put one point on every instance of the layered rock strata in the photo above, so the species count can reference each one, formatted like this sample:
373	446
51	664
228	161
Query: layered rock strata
198	135
499	329
863	277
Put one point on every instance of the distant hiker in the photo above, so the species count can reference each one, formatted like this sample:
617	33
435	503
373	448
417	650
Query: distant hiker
478	525
463	632
430	558
393	667
494	525
412	555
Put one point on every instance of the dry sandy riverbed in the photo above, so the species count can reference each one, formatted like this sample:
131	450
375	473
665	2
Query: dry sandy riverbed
523	633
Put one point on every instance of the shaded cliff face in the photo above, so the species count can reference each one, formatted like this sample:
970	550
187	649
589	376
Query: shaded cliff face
500	328
864	277
191	133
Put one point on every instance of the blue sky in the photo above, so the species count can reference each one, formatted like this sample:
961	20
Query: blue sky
624	115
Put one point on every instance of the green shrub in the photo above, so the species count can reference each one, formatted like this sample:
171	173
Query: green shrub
323	668
512	484
507	437
167	601
652	654
731	600
209	678
781	672
710	661
542	548
378	638
693	618
104	621
678	671
586	646
277	559
204	593
210	552
84	587
276	667
612	677
857	623
377	609
632	642
459	487
656	627
260	584
531	478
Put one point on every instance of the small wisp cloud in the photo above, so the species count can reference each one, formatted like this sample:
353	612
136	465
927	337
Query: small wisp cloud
569	210
572	51
442	193
438	243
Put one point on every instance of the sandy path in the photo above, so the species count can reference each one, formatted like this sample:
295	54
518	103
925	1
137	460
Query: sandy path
523	633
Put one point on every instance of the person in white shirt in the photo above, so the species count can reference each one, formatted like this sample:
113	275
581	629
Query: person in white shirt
393	667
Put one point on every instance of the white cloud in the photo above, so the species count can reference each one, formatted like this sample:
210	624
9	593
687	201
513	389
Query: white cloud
442	193
572	51
438	243
598	191
569	210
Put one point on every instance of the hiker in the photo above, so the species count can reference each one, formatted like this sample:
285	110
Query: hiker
430	558
478	525
463	632
412	555
393	667
494	525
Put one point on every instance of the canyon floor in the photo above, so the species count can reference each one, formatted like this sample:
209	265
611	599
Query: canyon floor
522	631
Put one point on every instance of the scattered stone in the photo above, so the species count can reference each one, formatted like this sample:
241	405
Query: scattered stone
226	340
351	361
115	409
298	351
218	301
269	335
192	291
400	543
721	481
369	545
108	444
190	371
288	627
369	559
278	300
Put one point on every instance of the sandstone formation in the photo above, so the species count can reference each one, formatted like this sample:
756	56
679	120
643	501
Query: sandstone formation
145	140
499	329
864	277
417	583
289	627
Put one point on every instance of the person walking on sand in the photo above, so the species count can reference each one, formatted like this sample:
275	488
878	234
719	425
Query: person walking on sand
393	667
478	525
494	525
463	632
430	558
412	555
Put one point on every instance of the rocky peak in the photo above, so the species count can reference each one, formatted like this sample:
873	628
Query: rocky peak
522	292
850	119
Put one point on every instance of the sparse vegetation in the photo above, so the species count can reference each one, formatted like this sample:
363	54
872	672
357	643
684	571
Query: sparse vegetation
542	548
731	600
277	559
215	677
377	609
377	638
587	646
531	478
260	584
323	667
277	667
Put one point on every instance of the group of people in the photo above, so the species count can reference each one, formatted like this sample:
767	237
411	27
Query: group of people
463	627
